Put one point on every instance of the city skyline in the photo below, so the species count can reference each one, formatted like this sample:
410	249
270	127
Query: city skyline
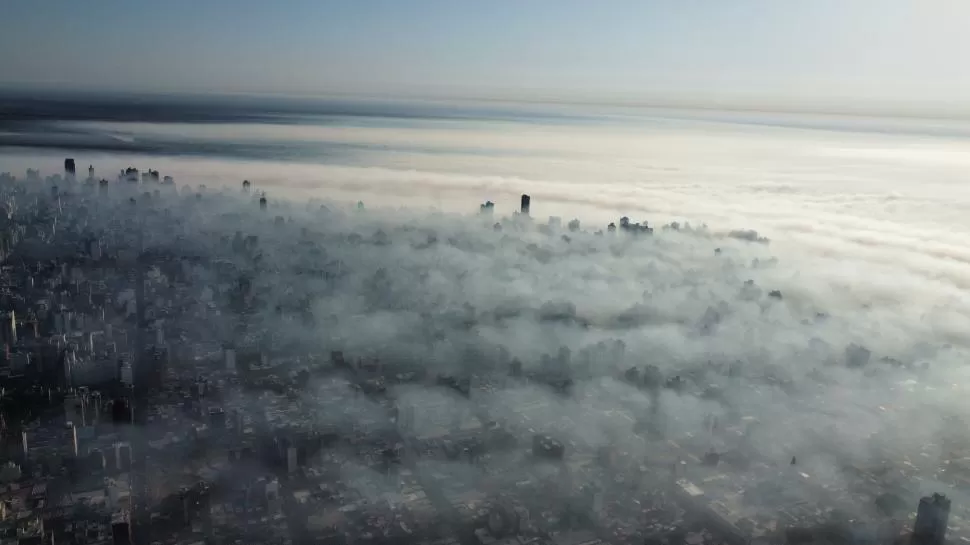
266	406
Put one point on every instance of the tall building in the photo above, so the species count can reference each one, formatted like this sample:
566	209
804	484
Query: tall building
291	459
123	455
931	520
71	406
121	532
230	354
526	201
262	203
69	168
127	375
140	366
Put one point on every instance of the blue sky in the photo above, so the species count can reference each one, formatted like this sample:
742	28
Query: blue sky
822	50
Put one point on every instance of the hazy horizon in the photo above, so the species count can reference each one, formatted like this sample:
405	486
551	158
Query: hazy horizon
578	104
826	55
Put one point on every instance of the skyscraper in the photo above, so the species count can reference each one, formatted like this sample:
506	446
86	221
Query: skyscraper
526	201
140	301
120	532
291	459
931	520
69	168
230	354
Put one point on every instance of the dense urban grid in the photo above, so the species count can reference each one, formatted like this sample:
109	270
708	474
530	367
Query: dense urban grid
190	365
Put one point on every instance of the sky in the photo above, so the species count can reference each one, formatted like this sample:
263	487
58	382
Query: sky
891	51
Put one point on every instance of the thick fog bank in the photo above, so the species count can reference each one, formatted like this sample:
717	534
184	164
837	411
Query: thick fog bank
830	361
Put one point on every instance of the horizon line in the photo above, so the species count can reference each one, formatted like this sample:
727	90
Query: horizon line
824	107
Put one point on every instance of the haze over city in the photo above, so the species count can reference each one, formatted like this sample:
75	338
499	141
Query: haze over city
457	273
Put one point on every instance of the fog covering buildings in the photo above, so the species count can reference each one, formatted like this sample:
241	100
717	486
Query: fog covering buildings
195	362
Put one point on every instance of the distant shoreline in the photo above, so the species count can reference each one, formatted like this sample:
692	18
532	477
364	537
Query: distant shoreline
729	105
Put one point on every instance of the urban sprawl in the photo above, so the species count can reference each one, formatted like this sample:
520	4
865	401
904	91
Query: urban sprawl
167	380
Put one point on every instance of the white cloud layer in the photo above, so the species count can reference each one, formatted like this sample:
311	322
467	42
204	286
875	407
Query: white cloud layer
868	229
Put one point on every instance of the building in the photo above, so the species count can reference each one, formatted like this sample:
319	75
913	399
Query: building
932	517
525	204
544	446
120	531
69	168
123	455
127	375
230	357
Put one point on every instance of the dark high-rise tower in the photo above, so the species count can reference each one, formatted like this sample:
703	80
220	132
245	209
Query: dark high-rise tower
931	520
262	203
69	169
524	208
141	357
143	368
120	532
246	186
